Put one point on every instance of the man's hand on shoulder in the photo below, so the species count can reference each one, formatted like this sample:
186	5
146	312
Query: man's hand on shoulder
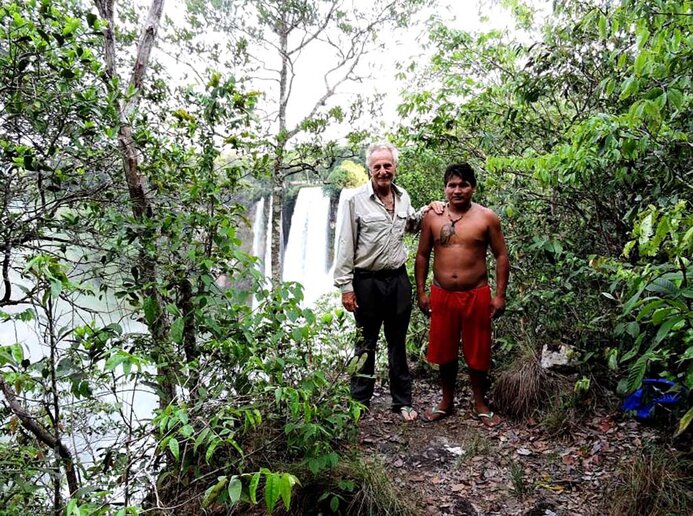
438	207
349	301
497	306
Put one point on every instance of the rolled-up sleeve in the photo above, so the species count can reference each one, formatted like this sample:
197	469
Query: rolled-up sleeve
414	218
346	247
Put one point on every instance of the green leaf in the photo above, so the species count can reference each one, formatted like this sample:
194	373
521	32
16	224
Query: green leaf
663	286
603	27
675	98
149	307
642	35
72	508
56	288
640	62
235	489
252	488
17	353
628	147
649	307
630	86
646	228
612	361
271	490
114	361
633	329
201	437
685	422
174	447
212	447
177	330
91	20
633	351
628	305
660	315
213	492
286	483
666	327
637	373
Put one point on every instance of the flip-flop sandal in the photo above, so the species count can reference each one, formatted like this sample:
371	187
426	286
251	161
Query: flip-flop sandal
435	414
486	418
408	413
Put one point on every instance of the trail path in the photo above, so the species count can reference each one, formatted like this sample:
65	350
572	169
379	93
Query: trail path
459	466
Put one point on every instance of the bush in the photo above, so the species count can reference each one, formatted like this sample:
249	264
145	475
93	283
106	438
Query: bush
347	175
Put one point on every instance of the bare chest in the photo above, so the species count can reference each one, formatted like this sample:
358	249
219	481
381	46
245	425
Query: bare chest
470	231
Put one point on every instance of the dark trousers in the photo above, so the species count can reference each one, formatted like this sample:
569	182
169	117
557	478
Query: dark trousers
384	299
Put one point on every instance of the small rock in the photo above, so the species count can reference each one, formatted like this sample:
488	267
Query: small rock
455	450
557	356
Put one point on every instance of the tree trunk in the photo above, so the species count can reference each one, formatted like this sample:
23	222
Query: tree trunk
141	204
276	213
278	172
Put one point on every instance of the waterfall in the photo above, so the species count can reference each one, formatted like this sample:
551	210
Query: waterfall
262	240
262	246
305	258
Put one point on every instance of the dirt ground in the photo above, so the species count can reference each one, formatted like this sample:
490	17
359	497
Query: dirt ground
459	466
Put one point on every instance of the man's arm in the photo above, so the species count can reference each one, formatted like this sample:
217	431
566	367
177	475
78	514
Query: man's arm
415	220
423	257
500	253
344	261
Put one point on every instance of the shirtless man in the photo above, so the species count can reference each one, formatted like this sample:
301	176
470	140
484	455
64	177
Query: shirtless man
460	305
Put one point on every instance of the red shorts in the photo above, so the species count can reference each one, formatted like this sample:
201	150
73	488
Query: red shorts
465	316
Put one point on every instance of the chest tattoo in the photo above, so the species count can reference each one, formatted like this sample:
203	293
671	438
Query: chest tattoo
447	230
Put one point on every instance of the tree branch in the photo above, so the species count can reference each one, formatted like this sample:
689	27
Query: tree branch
43	435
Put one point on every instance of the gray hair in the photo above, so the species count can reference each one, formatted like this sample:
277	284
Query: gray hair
374	147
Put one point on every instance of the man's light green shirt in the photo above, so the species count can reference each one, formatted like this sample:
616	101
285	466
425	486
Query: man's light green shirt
369	238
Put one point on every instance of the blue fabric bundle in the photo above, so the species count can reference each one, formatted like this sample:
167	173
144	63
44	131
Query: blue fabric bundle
654	391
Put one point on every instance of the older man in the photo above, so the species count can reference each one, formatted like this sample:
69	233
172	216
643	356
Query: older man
370	272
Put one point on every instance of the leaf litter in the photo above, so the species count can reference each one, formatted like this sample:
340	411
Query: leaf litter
459	466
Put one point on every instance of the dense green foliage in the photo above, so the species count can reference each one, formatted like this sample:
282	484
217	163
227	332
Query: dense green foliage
347	175
126	302
583	143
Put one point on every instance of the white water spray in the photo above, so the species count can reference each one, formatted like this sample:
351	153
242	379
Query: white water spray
305	259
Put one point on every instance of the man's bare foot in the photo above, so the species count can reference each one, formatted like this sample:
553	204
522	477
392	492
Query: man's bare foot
408	413
436	414
486	416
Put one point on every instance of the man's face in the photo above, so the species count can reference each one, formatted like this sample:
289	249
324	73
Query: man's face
382	168
459	191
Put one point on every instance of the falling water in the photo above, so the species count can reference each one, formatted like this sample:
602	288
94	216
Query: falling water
262	240
261	247
305	258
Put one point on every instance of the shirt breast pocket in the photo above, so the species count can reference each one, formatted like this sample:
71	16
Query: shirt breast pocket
374	225
400	222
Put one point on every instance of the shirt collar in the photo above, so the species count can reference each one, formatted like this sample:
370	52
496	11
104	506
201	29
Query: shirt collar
371	192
